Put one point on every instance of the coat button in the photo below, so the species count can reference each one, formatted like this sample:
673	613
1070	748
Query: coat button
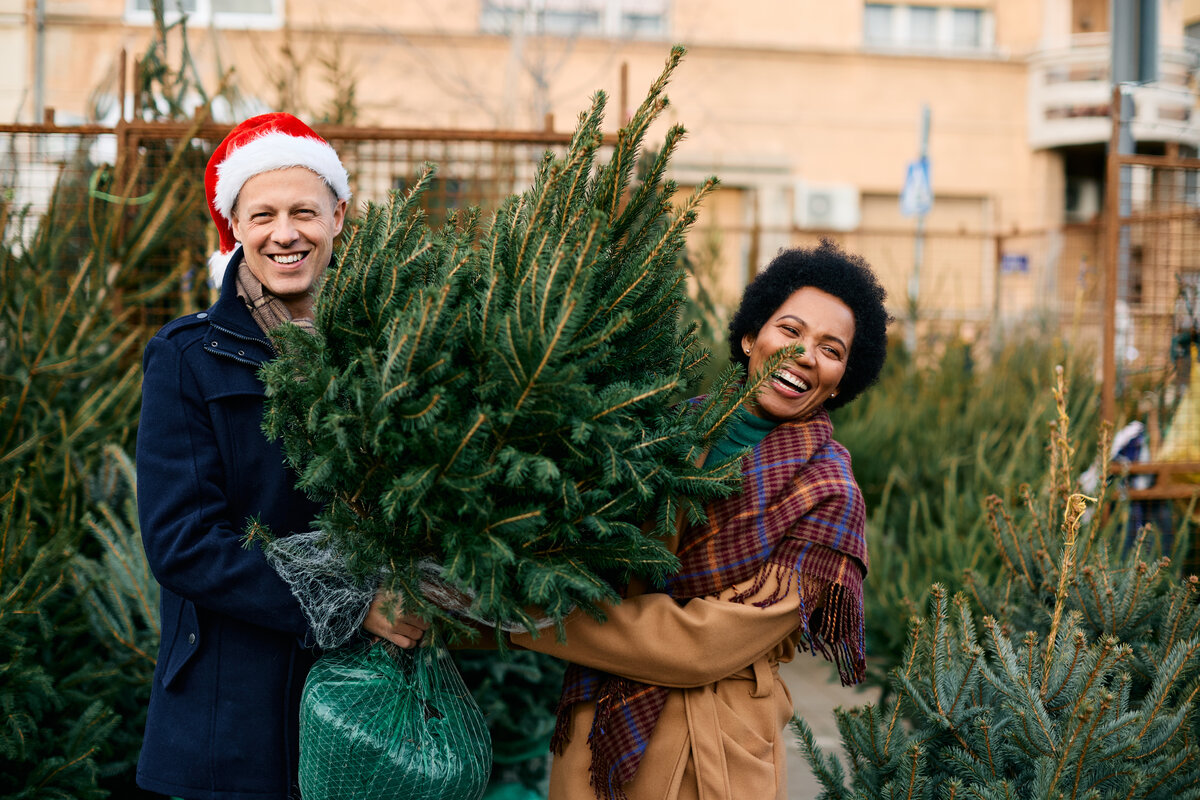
191	638
241	352
214	343
202	315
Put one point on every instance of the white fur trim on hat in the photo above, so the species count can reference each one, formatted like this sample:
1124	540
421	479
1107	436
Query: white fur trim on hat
218	265
273	151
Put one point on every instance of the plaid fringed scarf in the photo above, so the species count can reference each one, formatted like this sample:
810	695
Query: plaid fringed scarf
267	309
800	516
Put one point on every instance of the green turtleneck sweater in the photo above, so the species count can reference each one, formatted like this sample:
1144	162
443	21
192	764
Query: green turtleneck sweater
745	431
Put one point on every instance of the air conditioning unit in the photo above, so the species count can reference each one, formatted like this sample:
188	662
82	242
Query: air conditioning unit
827	206
1083	199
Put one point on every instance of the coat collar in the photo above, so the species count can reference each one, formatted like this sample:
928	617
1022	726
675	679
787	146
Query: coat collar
229	312
232	332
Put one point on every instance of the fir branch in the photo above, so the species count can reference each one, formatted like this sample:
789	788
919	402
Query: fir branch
1073	514
1104	457
614	178
827	769
48	339
1174	667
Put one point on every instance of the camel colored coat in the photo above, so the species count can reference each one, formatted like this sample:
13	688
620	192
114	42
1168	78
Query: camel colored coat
721	733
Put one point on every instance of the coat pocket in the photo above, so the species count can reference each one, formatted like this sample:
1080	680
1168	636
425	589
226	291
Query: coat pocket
184	636
749	723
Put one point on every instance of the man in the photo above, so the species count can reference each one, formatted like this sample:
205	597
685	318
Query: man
235	649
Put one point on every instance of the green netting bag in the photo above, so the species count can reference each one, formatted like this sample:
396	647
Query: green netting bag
381	723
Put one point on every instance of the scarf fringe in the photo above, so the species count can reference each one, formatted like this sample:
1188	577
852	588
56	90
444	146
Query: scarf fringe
835	629
562	729
607	774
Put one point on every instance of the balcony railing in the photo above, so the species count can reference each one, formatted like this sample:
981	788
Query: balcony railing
1070	92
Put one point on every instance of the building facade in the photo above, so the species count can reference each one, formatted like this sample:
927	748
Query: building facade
814	115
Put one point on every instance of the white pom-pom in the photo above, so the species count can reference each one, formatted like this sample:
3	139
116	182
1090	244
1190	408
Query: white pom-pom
217	264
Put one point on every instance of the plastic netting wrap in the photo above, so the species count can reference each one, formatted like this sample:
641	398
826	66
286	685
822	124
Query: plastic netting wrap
334	603
380	723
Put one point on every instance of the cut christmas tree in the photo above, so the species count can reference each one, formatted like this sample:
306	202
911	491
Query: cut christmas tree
506	403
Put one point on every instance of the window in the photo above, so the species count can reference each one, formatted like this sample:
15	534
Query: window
637	19
923	26
221	13
877	23
926	29
966	28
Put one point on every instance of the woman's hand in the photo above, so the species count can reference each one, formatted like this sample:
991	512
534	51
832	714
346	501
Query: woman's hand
403	631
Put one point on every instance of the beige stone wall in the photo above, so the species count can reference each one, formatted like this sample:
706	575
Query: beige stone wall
808	24
15	60
1089	16
1190	11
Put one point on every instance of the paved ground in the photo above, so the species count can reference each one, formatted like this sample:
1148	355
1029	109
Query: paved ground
816	691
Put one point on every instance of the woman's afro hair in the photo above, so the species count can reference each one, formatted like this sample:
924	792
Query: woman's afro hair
847	277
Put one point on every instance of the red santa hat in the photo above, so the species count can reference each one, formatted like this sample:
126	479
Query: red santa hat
262	144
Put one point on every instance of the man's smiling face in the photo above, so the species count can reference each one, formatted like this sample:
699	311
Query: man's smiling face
286	220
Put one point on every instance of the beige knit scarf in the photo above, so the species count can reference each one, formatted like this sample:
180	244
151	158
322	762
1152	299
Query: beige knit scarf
268	310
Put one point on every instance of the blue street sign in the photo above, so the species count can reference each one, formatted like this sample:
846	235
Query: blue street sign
1014	262
916	198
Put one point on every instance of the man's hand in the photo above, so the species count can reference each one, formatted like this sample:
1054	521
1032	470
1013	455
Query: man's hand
404	632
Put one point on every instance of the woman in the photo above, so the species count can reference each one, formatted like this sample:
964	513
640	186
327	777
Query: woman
677	694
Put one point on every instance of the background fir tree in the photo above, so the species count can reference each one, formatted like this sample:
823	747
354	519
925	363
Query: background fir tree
1080	683
72	694
505	402
78	610
972	425
518	695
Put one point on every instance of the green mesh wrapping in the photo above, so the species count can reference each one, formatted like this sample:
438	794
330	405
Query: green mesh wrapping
381	723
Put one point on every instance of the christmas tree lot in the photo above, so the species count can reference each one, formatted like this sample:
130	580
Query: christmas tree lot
1080	682
505	403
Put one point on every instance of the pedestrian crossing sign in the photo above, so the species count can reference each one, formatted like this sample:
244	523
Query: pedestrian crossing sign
916	198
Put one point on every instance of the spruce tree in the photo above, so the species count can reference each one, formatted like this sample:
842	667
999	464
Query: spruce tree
504	399
1080	683
72	686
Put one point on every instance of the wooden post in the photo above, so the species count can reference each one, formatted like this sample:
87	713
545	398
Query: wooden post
121	78
997	276
623	91
137	92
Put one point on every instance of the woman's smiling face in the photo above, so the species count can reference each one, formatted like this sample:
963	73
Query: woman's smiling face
824	326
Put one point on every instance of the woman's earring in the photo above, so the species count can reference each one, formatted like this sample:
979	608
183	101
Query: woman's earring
747	351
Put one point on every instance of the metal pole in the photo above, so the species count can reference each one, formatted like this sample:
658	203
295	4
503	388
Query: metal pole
914	281
1126	34
1123	40
39	60
1126	19
1112	223
1147	43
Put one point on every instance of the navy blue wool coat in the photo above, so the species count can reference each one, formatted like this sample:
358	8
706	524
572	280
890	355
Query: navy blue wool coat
224	706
